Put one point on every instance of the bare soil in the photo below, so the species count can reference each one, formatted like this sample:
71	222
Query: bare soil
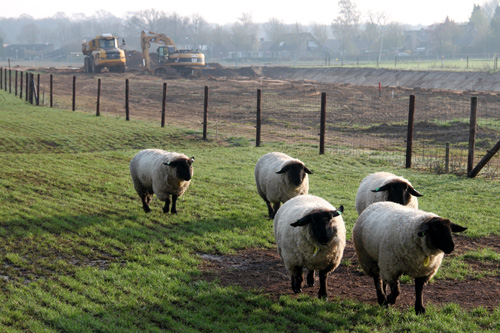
263	270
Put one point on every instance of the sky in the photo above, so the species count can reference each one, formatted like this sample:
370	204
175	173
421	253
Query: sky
424	12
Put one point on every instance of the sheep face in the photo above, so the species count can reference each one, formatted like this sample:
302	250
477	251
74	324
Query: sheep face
321	224
184	168
296	172
438	233
399	192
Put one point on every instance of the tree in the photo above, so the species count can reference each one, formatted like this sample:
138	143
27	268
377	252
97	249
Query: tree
345	26
479	26
489	8
275	29
29	34
495	31
375	31
244	33
320	33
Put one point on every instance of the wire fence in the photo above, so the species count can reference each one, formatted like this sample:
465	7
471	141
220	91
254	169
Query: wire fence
373	125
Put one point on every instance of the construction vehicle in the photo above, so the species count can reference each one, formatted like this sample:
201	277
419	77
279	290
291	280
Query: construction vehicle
101	52
184	61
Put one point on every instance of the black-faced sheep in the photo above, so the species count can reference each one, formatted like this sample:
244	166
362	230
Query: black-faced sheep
163	173
310	233
391	240
279	178
385	186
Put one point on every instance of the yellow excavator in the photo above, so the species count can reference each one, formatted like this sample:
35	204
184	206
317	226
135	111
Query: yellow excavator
103	51
184	61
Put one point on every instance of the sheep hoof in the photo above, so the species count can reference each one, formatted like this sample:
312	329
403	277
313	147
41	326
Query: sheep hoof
419	311
147	209
297	291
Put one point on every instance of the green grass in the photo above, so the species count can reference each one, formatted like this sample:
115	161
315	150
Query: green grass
77	253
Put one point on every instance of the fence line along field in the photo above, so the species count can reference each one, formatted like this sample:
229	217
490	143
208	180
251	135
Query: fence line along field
78	252
362	120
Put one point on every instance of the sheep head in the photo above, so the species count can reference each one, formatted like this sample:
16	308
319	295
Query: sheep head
398	191
183	167
438	233
296	172
321	224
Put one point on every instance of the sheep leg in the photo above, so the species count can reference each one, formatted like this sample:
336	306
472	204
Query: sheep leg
167	205
276	206
174	204
297	279
310	278
146	199
270	210
323	282
380	287
419	297
395	291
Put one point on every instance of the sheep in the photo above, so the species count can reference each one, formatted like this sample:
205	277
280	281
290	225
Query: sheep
279	178
391	240
385	186
310	233
161	172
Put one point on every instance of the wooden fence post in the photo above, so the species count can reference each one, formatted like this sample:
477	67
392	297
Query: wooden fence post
486	158
127	110
322	126
258	127
73	107
27	87
51	91
1	78
10	81
21	85
5	77
98	103
409	136
447	158
205	114
472	134
163	104
15	85
38	89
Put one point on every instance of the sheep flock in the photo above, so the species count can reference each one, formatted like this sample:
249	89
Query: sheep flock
392	236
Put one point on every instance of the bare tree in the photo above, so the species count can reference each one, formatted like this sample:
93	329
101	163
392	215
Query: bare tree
345	26
244	33
199	29
320	33
489	8
376	29
274	29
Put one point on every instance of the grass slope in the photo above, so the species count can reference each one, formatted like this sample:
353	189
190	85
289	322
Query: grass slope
77	253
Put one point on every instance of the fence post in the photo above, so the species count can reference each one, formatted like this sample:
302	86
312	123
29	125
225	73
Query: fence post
1	78
38	89
10	81
322	126
5	77
447	158
472	134
98	103
27	87
21	85
409	136
32	87
163	104
205	114
127	110
15	85
258	127
73	107
51	91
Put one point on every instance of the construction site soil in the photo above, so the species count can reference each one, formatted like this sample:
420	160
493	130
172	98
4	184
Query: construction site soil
262	269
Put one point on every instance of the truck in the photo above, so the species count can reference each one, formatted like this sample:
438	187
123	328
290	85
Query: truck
101	52
184	61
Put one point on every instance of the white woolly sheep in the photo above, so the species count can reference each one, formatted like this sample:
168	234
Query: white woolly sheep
391	240
385	186
155	171
279	178
310	233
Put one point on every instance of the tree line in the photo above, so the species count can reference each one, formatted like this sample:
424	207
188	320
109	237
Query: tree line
377	32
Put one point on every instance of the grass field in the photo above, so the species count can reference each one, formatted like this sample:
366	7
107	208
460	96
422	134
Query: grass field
77	253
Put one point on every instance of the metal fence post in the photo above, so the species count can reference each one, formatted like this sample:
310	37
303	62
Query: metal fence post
98	102
205	114
74	94
258	127
51	90
164	104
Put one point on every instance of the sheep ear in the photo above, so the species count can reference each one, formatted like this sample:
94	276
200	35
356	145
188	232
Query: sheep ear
302	221
307	170
339	211
457	228
423	230
414	192
284	169
382	188
191	160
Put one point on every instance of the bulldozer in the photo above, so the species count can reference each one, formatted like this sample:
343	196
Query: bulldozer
101	52
183	61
